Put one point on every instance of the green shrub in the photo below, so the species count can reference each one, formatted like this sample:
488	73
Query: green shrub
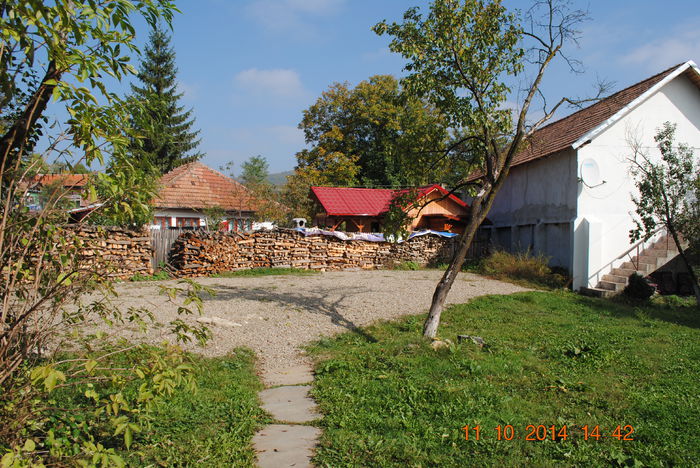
407	265
522	266
157	276
639	288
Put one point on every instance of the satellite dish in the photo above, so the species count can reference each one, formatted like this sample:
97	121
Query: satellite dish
590	173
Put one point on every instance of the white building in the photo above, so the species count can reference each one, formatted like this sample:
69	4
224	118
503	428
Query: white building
569	194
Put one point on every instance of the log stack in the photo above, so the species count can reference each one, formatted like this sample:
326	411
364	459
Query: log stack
115	252
200	253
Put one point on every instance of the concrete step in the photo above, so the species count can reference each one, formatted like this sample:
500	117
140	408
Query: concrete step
660	253
646	259
626	272
641	268
610	286
613	278
596	292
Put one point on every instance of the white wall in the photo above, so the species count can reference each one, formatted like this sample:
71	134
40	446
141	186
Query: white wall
535	207
607	210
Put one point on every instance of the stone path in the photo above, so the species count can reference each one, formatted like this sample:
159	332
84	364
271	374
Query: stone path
288	443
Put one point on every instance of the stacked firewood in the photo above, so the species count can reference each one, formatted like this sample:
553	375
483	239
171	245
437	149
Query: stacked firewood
200	253
115	252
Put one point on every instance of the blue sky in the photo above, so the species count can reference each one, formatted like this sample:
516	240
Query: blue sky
249	68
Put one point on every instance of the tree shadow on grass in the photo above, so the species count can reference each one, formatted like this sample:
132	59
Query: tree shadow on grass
317	302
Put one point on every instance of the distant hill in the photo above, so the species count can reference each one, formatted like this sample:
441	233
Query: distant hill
279	178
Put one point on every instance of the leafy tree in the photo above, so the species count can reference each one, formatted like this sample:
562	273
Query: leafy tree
389	137
63	50
255	171
464	57
164	128
668	194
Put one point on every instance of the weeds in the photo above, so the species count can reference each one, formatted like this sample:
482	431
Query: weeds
522	266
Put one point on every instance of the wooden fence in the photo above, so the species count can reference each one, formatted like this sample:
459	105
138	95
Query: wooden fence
162	241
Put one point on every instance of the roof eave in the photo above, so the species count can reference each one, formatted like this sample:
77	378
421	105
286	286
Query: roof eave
642	97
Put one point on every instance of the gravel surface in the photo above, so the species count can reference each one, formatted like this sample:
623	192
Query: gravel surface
276	315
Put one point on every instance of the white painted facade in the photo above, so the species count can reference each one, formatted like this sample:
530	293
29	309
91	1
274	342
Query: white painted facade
242	220
545	206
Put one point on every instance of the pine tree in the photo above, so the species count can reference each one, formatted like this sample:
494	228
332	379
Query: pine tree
167	139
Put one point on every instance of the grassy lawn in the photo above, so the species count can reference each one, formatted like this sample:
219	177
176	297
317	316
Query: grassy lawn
553	358
264	272
210	427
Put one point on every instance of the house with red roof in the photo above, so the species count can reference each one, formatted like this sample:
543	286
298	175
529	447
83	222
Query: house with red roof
569	193
189	191
363	209
71	186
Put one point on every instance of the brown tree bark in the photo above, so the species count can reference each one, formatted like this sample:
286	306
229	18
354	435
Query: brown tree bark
686	262
16	135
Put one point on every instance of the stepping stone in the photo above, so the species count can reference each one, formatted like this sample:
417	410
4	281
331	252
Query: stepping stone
289	403
281	445
296	375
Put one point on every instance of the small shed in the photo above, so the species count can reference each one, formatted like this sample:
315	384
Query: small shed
364	209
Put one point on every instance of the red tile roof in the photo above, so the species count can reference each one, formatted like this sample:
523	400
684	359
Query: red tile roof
347	201
67	180
562	134
197	186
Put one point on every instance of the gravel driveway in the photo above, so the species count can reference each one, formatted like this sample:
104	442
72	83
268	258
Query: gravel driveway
276	315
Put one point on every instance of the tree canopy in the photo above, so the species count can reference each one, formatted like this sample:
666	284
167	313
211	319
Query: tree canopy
373	135
465	57
164	128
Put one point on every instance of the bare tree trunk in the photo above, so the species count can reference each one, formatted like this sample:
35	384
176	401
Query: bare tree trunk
476	217
17	133
688	266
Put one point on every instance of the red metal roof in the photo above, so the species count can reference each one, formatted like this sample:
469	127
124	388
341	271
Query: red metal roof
348	201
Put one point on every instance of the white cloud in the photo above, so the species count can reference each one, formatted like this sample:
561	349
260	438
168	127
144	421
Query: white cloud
675	47
284	83
291	15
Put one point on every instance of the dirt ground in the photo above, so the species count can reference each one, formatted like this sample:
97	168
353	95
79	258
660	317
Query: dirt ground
276	315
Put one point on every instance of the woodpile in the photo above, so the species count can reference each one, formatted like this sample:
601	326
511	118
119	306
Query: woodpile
116	252
200	253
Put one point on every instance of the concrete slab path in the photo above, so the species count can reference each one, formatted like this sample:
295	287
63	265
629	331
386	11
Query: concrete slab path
288	444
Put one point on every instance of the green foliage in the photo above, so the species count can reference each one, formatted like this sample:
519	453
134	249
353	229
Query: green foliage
390	138
255	171
264	272
553	358
521	266
164	134
126	190
639	288
666	188
407	265
161	275
215	215
138	403
668	194
457	56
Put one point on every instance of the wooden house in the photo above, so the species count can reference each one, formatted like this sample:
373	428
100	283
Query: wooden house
364	209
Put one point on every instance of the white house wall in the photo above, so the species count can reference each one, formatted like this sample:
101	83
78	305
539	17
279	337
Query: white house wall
535	207
608	209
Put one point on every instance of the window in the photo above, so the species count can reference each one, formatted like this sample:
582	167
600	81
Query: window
187	222
162	221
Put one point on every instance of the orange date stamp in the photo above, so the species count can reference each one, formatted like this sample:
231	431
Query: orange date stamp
542	432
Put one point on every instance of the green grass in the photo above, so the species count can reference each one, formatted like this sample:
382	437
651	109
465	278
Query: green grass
157	276
553	358
211	427
264	272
